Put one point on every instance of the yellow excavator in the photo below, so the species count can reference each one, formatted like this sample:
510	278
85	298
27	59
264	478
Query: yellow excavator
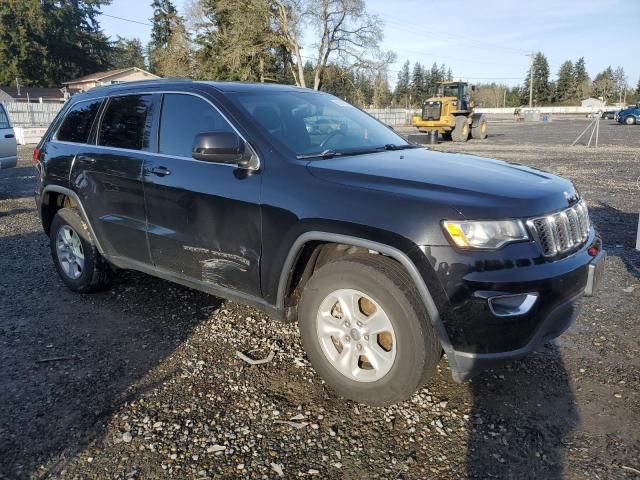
451	113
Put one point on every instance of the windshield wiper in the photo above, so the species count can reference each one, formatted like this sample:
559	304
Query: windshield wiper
391	146
324	154
330	153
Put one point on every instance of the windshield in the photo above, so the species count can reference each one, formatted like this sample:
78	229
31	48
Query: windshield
310	123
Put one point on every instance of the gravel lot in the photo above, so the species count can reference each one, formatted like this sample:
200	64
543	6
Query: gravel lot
142	381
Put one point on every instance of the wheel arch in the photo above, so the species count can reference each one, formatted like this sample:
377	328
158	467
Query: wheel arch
55	197
307	245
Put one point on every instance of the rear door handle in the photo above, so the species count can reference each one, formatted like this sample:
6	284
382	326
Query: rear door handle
9	135
86	159
160	171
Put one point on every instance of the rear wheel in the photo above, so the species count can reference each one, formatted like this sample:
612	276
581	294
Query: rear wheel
366	331
480	131
75	255
460	132
630	120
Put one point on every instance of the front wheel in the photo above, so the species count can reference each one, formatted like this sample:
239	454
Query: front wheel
366	331
480	131
629	120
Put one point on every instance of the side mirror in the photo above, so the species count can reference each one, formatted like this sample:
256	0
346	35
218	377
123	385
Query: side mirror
223	147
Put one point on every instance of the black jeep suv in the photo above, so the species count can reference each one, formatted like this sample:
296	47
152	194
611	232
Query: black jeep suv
387	254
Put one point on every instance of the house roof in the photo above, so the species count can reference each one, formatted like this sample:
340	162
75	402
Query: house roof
34	92
95	77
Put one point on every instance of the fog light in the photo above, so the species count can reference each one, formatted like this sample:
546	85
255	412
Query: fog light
511	305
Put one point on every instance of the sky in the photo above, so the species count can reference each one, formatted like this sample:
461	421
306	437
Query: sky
482	41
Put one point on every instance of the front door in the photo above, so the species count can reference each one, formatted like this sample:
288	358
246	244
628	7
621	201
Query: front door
203	218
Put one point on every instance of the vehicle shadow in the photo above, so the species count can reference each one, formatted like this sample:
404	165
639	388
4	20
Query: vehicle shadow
618	228
17	182
521	417
69	361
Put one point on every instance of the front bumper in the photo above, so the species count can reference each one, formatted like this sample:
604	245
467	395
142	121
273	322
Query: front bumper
467	365
478	337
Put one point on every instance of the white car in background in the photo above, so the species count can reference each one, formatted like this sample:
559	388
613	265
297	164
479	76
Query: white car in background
8	148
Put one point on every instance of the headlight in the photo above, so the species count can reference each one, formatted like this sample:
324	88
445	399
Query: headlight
490	234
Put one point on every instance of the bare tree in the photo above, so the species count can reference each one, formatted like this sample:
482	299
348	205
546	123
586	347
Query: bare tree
289	16
347	35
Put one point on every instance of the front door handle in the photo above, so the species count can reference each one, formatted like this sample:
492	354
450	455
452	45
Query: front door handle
161	171
9	135
86	159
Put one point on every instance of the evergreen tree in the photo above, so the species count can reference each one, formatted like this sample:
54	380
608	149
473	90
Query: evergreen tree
541	87
175	59
565	84
164	17
127	53
242	44
581	81
417	84
401	93
21	54
47	42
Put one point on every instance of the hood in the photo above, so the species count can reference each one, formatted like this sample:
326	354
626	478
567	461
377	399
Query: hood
479	188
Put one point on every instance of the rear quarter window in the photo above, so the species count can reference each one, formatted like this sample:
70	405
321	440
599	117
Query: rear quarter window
77	124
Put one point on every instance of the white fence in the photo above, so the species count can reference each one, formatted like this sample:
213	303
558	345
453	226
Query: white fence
24	114
393	116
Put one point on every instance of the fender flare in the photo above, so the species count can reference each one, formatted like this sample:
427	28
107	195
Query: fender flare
387	250
70	193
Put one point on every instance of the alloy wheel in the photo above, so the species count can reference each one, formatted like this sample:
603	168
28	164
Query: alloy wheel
70	252
356	335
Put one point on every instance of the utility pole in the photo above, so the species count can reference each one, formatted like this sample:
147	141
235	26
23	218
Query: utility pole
530	55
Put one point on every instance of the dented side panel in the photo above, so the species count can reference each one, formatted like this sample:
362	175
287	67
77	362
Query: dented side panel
204	222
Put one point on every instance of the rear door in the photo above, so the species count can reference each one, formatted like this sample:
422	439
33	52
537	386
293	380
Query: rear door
108	175
7	141
204	218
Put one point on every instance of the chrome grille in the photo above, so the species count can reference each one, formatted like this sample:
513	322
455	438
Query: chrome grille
563	231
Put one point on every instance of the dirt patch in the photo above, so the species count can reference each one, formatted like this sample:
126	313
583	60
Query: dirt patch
150	386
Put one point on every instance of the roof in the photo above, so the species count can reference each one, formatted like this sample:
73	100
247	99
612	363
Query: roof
94	77
248	86
34	92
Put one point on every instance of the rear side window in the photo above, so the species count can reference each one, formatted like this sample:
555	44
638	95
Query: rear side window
4	119
127	122
76	125
183	117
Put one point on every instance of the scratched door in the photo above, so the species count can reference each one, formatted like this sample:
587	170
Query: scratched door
203	218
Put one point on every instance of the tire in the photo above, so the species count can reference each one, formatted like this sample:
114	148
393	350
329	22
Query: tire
69	237
479	132
629	121
460	132
411	340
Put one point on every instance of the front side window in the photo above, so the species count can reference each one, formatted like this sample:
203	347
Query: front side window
77	124
127	122
308	123
182	118
4	119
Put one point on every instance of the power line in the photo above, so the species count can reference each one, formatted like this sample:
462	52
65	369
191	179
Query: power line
126	20
474	42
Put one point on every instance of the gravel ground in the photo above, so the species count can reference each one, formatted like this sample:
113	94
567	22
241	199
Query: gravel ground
142	381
